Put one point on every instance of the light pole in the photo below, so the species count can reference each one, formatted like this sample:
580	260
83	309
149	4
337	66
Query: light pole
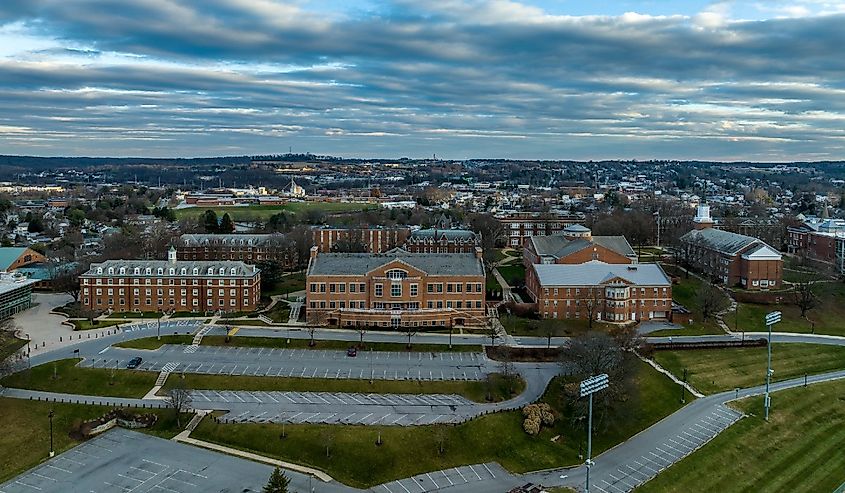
51	432
684	388
589	387
771	319
158	328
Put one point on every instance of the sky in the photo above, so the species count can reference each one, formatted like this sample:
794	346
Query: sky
543	79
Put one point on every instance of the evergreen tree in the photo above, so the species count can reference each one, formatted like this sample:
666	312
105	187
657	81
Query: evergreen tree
226	224
209	221
278	482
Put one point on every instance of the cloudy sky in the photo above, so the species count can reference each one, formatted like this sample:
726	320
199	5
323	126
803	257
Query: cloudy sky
729	80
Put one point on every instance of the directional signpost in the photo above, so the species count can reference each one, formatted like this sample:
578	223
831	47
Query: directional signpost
771	319
589	387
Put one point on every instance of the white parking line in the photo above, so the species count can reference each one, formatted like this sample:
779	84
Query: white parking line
473	470
461	475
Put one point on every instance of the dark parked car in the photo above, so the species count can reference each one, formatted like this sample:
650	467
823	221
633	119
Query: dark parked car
133	363
352	352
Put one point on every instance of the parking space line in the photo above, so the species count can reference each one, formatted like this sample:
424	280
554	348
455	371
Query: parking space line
403	486
432	481
473	470
461	475
58	468
488	469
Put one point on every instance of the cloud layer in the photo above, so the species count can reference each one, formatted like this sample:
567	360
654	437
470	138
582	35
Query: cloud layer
460	78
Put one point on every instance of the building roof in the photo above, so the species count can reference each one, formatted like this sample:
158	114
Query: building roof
450	234
577	228
240	269
721	241
594	273
435	264
762	251
11	281
558	246
228	239
8	255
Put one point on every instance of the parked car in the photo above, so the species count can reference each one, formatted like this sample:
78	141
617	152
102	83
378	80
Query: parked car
133	363
352	352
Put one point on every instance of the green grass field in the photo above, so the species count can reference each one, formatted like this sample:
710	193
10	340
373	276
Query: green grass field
9	344
355	459
716	370
799	450
136	315
25	440
288	284
514	274
281	342
685	293
64	376
521	326
500	390
263	212
826	318
98	324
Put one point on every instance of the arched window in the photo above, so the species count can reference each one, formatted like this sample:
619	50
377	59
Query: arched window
396	274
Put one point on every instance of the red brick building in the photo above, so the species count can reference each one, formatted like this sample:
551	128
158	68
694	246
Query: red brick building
250	248
373	240
519	226
442	241
576	245
170	285
615	293
730	258
396	289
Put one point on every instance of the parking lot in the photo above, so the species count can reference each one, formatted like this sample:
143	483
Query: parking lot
685	440
305	363
335	408
126	461
484	477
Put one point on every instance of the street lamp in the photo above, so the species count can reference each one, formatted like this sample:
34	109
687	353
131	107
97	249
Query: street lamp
589	387
771	319
52	453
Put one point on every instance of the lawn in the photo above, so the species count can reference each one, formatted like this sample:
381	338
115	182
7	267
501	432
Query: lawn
475	391
286	285
263	212
685	293
799	450
522	326
64	376
826	318
136	315
282	342
514	274
9	344
25	440
716	370
97	324
355	459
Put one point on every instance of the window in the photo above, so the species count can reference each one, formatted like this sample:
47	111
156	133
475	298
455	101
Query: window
313	287
396	274
414	289
352	287
396	289
379	290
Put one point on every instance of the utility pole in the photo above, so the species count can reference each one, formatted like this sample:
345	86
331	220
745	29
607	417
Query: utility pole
684	388
589	387
52	453
771	319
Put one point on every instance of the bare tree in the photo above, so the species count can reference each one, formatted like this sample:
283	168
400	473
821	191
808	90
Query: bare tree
805	297
410	331
65	278
711	300
508	371
327	437
592	305
315	319
493	332
178	399
361	329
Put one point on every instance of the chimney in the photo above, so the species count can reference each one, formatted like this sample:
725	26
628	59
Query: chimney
314	250
702	217
479	253
171	254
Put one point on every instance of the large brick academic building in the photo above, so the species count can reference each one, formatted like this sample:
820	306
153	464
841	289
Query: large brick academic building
170	285
250	248
395	289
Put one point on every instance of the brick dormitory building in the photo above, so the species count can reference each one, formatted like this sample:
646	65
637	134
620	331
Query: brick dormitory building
396	289
730	258
170	285
616	293
250	248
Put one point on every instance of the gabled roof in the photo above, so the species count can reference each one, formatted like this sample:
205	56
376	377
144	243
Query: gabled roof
762	251
449	234
595	273
436	264
559	246
8	255
721	241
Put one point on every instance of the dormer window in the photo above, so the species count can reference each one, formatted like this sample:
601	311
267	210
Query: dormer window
211	271
122	271
148	271
160	271
172	271
99	270
196	271
111	271
232	271
183	271
137	271
222	270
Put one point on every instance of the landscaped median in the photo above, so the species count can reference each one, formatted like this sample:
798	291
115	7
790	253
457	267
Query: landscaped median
287	343
355	458
65	377
25	440
799	450
717	370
